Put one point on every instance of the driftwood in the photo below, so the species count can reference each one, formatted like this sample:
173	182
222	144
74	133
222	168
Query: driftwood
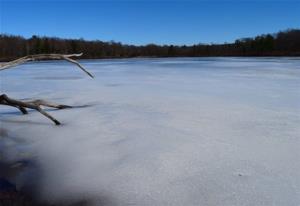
36	104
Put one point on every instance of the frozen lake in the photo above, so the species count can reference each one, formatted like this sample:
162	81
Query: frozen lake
174	131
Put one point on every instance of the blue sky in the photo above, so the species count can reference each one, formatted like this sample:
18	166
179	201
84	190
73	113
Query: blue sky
143	22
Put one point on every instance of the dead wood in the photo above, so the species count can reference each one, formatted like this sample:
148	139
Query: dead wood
36	104
37	57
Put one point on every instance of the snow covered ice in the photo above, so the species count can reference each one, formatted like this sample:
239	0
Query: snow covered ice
174	131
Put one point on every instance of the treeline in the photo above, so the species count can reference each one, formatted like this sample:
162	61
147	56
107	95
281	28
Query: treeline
285	43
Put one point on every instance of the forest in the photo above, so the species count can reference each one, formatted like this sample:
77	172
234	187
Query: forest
283	43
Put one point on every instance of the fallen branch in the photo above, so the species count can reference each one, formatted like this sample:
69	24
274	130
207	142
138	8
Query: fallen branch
36	104
36	57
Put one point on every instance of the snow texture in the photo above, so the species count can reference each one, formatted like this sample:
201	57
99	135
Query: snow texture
174	131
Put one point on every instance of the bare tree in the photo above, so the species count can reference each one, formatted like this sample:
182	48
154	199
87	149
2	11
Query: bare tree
36	104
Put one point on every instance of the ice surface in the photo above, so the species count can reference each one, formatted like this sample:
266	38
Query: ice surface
178	131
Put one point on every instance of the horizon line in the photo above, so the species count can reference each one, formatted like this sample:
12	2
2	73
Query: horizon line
137	45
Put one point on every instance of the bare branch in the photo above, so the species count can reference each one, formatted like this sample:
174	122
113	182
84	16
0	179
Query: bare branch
35	104
36	57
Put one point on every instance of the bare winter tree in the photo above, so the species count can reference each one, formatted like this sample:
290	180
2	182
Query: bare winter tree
37	104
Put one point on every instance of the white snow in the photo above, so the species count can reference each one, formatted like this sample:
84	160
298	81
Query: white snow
177	131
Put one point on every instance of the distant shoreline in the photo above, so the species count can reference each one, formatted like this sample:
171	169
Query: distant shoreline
282	44
167	57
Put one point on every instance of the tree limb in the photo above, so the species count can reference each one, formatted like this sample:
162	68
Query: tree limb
36	57
36	104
